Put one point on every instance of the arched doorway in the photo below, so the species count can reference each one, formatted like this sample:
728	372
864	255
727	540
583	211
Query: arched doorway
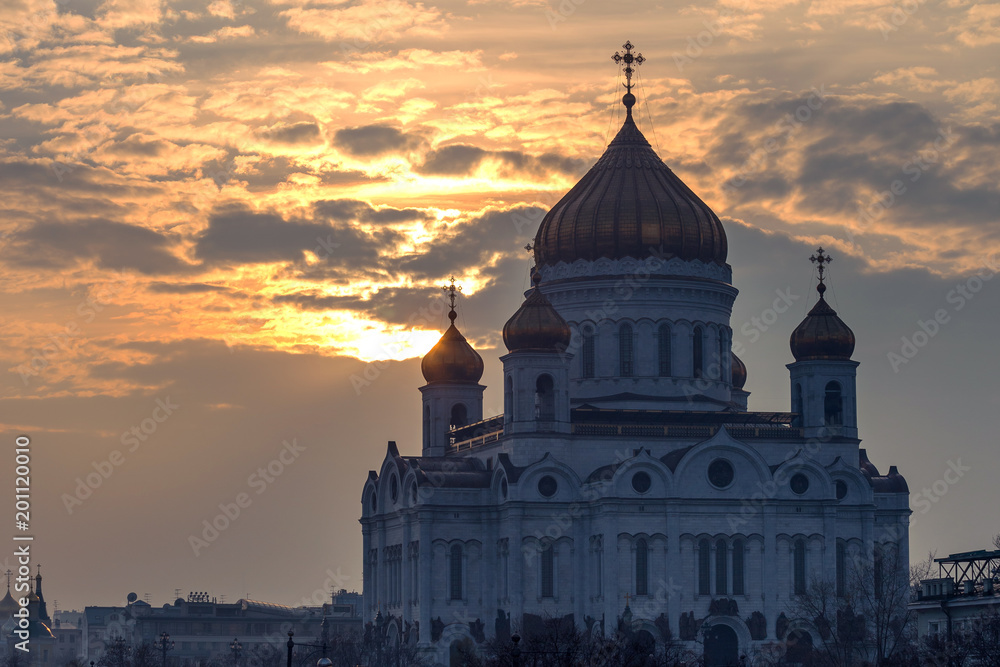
460	651
798	647
721	647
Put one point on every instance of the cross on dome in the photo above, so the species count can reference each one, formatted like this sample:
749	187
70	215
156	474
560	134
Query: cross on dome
820	259
452	291
628	59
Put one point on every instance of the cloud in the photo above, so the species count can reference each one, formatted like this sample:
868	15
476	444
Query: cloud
108	244
368	22
375	140
237	235
464	159
303	132
354	210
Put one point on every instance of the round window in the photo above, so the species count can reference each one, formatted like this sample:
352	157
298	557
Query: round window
641	482
799	483
841	489
547	486
720	473
394	488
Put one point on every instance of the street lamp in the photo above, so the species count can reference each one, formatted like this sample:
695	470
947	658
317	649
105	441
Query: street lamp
515	654
236	647
164	644
323	647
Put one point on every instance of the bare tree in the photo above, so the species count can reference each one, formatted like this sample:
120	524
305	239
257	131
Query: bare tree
984	639
996	541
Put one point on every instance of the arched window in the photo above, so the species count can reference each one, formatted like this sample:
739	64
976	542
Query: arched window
721	578
797	404
508	399
704	567
721	362
799	566
548	570
427	426
588	352
625	351
641	568
833	405
841	573
663	339
698	356
459	415
545	398
739	588
455	571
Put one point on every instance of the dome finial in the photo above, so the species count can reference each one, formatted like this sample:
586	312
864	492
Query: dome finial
820	259
628	99
452	295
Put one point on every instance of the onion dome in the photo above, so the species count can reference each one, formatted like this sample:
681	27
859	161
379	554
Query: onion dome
536	326
629	205
452	359
8	606
822	335
739	376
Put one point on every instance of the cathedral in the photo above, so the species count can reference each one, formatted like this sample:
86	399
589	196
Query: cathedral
627	480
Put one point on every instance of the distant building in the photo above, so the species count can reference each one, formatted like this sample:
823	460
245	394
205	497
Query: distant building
42	643
202	628
967	586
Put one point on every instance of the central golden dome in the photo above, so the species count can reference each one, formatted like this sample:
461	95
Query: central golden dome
630	205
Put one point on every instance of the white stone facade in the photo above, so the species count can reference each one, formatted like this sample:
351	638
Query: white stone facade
564	505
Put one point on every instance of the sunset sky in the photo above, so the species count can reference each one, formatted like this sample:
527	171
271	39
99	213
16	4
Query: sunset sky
226	226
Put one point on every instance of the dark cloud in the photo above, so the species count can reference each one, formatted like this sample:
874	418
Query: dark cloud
304	132
110	245
375	140
185	288
241	236
462	159
352	209
405	305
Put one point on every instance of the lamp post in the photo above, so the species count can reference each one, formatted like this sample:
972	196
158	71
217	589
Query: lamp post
164	644
515	653
322	647
237	648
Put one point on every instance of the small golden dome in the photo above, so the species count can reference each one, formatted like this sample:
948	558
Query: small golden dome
822	335
452	359
536	325
739	377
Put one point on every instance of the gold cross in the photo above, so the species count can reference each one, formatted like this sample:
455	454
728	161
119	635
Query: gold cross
628	59
627	598
820	259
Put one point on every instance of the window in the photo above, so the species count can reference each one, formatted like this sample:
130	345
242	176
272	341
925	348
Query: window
797	405
427	426
625	351
698	346
833	405
641	568
721	578
459	415
663	339
841	574
739	587
548	571
704	565
799	567
545	398
721	362
456	572
588	353
508	399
